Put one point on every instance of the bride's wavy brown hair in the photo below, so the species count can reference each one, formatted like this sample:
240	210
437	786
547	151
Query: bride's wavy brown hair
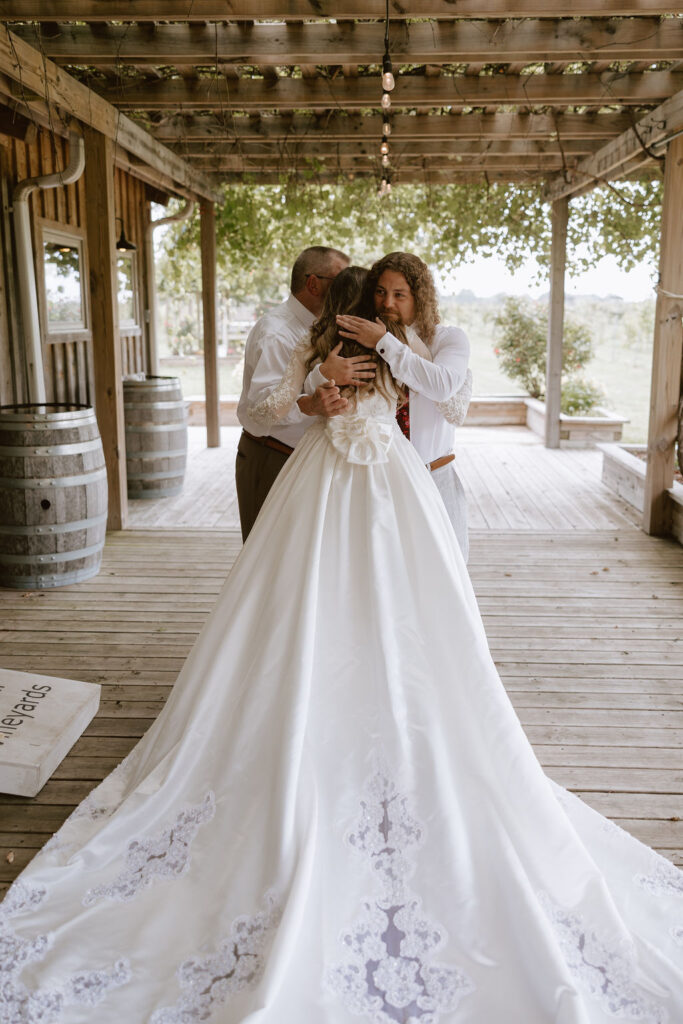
348	294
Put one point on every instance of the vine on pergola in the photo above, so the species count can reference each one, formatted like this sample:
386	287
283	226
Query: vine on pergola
261	228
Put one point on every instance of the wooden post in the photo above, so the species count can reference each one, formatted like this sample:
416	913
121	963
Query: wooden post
150	296
208	239
106	343
666	354
553	365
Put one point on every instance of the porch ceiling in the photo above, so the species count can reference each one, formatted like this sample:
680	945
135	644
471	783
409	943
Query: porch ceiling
501	92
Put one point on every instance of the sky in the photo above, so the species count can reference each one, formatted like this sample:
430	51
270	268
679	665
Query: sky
487	277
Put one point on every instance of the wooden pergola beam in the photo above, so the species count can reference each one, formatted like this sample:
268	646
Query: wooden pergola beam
326	149
543	164
667	351
36	75
338	126
323	43
297	10
616	156
408	176
455	91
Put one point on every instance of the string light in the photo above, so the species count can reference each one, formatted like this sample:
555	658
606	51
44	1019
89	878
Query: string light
388	83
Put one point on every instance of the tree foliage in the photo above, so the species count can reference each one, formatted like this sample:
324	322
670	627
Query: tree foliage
260	229
521	349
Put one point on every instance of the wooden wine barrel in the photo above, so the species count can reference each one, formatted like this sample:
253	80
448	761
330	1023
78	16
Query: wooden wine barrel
156	436
53	495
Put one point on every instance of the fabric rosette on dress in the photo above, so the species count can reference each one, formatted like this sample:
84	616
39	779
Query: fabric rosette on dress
359	439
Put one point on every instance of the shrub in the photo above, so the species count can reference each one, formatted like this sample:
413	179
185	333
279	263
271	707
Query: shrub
579	396
521	350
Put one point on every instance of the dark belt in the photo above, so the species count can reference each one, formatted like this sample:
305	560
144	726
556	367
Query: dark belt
270	442
438	463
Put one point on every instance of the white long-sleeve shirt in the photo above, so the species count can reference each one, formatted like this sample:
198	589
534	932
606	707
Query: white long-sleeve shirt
269	346
428	381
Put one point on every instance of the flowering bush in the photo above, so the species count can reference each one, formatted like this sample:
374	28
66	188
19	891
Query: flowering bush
521	350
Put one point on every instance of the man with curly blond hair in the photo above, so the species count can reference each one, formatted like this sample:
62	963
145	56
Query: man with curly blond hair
433	367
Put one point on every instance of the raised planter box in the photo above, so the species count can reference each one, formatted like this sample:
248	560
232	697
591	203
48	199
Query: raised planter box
624	473
577	431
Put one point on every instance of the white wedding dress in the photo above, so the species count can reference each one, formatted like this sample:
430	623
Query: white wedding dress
337	818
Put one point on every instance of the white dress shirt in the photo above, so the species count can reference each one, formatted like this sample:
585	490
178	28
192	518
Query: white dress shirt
428	383
267	353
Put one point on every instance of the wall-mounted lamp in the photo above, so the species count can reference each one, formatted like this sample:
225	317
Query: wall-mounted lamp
123	245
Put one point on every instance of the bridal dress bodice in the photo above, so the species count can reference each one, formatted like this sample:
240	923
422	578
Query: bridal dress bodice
337	817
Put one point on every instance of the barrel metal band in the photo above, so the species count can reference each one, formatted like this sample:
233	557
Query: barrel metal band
132	406
154	455
44	580
74	448
59	556
65	481
155	476
52	528
157	428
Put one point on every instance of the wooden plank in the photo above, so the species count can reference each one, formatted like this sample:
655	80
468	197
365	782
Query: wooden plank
667	351
34	73
99	192
296	10
610	161
368	127
207	215
323	43
553	372
455	91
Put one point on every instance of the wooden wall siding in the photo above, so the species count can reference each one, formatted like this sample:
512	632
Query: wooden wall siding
68	364
130	198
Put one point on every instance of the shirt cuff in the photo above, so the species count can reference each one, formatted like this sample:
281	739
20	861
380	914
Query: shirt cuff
388	346
315	379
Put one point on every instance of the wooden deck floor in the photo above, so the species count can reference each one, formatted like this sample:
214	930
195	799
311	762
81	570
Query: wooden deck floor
512	483
585	628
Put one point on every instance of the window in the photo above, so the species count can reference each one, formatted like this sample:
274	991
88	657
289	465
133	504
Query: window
127	292
65	303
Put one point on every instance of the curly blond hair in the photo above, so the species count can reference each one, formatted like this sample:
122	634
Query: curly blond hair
421	283
347	294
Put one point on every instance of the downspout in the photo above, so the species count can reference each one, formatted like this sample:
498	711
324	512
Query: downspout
28	298
151	312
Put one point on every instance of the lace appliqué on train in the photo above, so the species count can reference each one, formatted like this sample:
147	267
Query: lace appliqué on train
19	1005
664	880
388	975
208	981
166	855
98	805
281	399
605	970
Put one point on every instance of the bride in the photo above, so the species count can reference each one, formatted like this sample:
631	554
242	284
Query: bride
337	817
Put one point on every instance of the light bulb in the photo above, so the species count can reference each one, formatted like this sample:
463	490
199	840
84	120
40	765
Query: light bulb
385	160
384	148
386	101
388	82
386	129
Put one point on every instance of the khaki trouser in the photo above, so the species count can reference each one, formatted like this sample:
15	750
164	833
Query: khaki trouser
255	470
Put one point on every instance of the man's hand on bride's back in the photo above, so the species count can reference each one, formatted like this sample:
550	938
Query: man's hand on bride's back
327	400
356	370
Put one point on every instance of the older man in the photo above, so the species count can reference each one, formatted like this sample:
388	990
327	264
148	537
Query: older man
270	343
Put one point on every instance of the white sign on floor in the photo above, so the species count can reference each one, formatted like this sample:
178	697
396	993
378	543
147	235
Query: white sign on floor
40	720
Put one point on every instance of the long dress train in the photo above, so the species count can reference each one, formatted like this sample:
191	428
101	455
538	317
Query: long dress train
337	817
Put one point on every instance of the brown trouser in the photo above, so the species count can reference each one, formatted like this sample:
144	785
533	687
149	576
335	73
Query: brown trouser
255	470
